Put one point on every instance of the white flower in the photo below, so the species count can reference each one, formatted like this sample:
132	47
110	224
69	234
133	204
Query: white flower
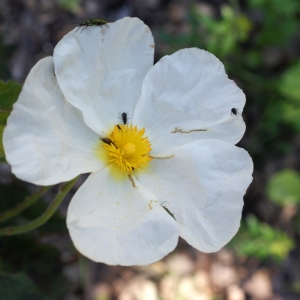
137	201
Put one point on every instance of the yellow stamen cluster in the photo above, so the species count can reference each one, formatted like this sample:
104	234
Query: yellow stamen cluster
127	148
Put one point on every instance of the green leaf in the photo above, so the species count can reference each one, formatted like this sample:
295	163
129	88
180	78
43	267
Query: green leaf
40	261
4	114
2	156
257	239
296	223
2	126
18	287
9	92
70	5
11	196
284	187
289	83
275	13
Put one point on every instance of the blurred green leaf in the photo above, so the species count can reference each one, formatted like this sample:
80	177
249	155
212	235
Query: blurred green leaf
279	22
224	35
290	115
6	52
257	239
2	126
9	92
296	223
252	58
289	85
221	37
284	187
295	287
41	262
18	287
10	196
275	6
70	5
4	114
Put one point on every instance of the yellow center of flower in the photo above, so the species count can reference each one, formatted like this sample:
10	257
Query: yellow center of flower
127	147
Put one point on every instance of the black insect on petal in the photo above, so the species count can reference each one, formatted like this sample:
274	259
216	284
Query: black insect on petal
234	111
108	141
124	118
92	22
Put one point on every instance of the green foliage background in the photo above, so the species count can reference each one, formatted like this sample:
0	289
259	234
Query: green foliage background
258	41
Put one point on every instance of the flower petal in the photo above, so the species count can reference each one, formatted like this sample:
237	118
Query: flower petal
45	139
203	186
187	96
119	224
100	70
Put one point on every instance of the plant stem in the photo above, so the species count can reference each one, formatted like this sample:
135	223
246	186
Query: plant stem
23	205
63	191
84	275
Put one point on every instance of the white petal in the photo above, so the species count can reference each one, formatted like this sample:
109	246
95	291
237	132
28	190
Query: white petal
187	96
203	186
118	224
100	70
46	140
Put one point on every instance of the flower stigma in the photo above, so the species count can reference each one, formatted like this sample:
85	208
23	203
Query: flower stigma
128	148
